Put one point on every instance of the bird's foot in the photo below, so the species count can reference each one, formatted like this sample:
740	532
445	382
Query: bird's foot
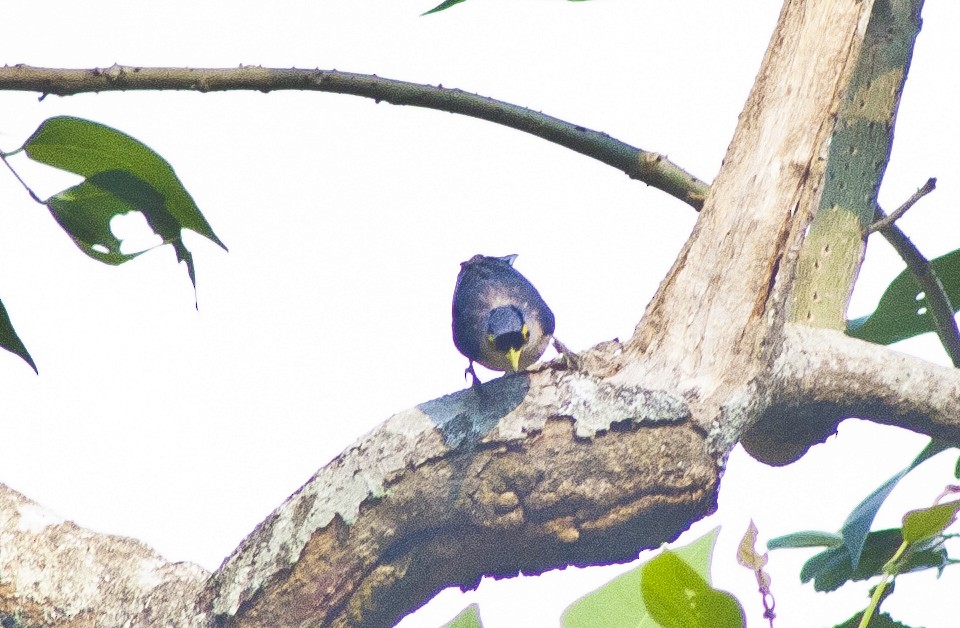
568	359
473	374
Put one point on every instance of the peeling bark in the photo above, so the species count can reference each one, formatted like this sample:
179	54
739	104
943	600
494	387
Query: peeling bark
585	461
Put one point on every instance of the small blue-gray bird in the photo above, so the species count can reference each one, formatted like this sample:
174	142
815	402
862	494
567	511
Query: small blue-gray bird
499	318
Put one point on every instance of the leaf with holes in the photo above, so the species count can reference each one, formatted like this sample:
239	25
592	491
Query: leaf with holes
84	212
677	596
902	311
620	603
88	148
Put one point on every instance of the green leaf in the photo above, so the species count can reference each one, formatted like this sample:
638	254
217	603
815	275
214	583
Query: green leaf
677	596
85	211
446	4
857	525
807	538
10	341
619	602
88	148
829	569
902	312
919	525
832	568
467	618
699	553
877	621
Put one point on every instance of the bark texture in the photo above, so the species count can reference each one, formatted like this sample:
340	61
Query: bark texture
583	461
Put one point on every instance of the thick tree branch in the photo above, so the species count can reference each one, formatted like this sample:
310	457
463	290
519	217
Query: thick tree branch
824	377
53	572
530	472
651	168
555	466
527	473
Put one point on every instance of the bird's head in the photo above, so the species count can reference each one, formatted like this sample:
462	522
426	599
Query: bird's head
507	333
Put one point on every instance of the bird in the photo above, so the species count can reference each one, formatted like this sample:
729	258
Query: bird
499	318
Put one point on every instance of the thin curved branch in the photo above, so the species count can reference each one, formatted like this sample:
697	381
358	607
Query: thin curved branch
651	168
935	296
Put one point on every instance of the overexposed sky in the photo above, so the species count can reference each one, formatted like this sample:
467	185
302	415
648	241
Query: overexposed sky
347	221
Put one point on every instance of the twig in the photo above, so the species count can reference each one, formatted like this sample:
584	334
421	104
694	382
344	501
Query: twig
3	157
925	189
651	168
936	298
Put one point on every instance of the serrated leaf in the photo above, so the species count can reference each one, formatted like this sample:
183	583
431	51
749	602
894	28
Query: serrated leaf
10	341
925	523
467	618
620	603
807	538
902	311
678	597
88	148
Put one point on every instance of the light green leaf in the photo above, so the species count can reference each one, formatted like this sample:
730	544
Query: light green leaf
620	603
926	523
678	597
467	618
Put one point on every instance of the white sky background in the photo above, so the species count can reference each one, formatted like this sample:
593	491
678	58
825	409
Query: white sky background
346	222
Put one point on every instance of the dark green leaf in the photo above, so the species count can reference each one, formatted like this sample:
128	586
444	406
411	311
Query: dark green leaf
902	311
677	596
446	4
919	525
831	568
807	538
10	341
619	603
877	621
857	525
85	211
468	618
87	148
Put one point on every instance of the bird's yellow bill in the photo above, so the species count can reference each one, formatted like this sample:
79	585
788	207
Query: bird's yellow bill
514	356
